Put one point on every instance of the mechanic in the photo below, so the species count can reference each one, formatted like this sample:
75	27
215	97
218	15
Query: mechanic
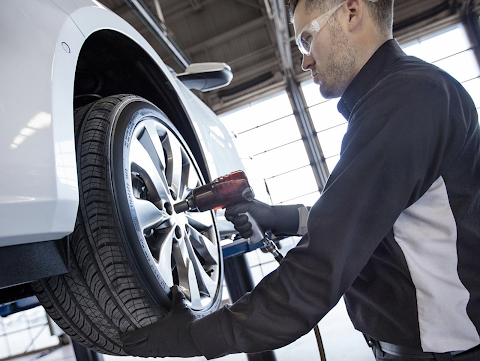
397	228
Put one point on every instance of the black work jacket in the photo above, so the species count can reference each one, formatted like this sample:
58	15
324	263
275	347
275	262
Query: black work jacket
396	230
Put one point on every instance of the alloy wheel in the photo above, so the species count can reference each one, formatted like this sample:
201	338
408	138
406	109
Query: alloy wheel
182	247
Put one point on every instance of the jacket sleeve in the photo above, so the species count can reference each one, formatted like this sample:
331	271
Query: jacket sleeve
400	135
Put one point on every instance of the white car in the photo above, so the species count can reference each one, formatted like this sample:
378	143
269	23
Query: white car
99	139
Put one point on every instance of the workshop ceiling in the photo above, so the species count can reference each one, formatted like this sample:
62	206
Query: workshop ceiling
245	34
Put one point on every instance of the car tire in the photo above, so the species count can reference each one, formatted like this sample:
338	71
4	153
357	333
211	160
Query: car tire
129	246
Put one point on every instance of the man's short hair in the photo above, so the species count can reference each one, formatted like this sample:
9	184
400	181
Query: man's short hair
381	11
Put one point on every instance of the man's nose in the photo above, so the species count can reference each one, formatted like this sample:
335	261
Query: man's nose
307	62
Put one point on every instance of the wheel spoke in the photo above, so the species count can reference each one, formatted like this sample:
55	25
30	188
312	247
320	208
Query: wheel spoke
199	220
148	215
195	296
165	258
154	139
183	263
143	164
205	248
205	284
189	181
174	162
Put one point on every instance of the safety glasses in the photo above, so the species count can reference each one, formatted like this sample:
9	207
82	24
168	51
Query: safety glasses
305	39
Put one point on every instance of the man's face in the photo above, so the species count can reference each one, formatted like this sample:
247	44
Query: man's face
332	58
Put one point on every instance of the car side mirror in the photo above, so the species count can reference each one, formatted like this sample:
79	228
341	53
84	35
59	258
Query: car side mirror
206	76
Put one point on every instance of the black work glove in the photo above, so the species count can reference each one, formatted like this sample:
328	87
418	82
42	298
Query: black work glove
281	220
168	337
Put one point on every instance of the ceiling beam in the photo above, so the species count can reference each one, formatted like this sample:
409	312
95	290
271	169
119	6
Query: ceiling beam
159	31
181	9
249	3
283	37
469	6
121	8
268	9
228	35
253	57
250	58
158	8
195	5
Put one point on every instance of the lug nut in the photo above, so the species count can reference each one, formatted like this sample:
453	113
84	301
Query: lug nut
178	232
168	208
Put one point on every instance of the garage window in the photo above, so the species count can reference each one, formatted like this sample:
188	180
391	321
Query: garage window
329	124
269	143
451	51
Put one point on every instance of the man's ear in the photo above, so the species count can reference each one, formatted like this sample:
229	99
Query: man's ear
355	13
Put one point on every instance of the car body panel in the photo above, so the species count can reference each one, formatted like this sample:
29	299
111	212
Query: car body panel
38	188
220	153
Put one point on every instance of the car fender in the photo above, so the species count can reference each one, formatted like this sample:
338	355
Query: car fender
219	151
38	187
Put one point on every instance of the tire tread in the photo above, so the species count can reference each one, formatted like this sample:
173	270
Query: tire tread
101	296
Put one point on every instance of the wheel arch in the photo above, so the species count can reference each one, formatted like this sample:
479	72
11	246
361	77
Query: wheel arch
112	63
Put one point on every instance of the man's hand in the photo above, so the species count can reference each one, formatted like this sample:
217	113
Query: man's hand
168	337
281	220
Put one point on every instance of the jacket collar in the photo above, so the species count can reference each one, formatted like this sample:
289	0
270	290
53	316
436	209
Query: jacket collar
369	76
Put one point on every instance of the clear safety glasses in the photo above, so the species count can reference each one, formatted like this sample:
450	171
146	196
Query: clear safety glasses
305	38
